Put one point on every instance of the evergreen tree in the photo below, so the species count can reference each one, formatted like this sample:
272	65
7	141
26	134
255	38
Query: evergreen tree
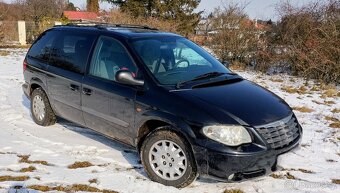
181	11
93	6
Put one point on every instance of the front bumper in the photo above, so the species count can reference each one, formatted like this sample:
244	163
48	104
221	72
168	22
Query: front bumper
216	163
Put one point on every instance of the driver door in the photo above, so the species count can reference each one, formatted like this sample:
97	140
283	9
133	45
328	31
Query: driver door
108	106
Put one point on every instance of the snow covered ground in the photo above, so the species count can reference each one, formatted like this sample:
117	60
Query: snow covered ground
309	168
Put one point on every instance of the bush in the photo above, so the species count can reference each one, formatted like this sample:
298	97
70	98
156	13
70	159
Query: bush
236	38
308	39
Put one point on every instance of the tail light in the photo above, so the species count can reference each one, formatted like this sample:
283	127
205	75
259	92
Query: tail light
24	65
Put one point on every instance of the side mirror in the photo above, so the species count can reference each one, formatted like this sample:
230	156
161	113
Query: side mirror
125	77
225	63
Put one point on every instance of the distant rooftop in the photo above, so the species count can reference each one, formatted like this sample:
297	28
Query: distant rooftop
81	16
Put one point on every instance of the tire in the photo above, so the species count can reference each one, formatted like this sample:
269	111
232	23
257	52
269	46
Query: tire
39	99
153	145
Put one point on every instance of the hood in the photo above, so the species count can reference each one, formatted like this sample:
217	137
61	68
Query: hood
243	101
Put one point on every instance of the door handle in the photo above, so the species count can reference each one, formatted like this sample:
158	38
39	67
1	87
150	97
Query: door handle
87	91
74	87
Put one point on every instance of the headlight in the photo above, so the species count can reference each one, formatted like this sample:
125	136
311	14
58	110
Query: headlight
232	135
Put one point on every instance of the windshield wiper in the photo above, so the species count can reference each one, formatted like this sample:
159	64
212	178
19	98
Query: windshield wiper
201	77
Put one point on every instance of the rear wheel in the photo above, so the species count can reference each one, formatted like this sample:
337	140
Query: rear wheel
41	110
168	159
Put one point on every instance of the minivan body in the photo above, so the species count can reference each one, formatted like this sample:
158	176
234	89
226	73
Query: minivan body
185	112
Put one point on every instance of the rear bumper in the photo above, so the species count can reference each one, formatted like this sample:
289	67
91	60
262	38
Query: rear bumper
25	89
222	166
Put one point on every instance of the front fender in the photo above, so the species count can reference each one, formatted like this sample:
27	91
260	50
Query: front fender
184	129
178	124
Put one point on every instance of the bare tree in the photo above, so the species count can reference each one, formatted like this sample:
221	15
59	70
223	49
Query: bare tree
37	10
310	36
235	37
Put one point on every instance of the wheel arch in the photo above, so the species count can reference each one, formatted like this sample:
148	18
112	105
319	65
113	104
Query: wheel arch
36	83
156	120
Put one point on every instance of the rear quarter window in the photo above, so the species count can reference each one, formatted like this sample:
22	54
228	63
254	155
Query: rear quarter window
42	47
71	50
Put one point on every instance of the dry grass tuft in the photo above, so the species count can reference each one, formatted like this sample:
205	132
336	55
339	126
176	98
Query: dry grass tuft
335	124
329	102
336	181
290	176
93	181
37	178
336	110
233	191
328	118
315	88
306	171
276	176
4	53
13	178
330	93
303	109
84	164
276	80
29	169
72	188
291	90
40	188
25	159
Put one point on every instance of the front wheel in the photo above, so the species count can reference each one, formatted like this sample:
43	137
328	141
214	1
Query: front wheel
41	110
168	159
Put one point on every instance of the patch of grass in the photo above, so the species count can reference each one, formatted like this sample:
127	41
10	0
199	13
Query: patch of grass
4	53
335	110
329	102
330	93
276	80
13	178
37	178
318	102
276	176
329	118
233	191
303	109
315	88
336	181
291	79
289	176
29	169
93	181
291	90
335	124
76	165
306	171
71	188
40	188
25	159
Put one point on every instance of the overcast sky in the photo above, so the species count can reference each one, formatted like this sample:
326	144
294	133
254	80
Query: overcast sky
256	9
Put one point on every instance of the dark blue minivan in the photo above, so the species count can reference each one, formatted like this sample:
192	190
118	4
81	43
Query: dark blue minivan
185	112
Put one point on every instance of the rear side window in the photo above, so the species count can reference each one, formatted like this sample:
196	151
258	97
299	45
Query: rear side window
71	51
42	47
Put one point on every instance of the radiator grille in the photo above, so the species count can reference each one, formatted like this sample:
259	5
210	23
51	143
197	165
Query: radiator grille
280	133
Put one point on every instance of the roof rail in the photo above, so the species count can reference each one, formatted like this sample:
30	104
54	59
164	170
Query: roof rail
103	25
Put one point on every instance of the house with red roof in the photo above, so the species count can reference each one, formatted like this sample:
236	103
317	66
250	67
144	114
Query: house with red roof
81	16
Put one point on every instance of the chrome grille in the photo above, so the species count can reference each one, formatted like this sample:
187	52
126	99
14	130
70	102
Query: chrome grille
280	133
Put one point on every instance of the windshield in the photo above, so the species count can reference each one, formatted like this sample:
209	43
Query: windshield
173	60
